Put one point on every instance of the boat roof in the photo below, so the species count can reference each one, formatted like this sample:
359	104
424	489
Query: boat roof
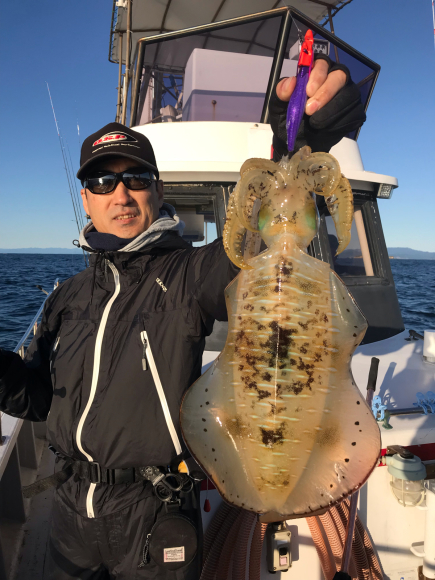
151	17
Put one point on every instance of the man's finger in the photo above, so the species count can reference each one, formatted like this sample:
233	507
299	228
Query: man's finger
318	76
334	82
285	88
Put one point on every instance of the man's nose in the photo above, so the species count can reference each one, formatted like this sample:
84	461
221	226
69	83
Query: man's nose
121	195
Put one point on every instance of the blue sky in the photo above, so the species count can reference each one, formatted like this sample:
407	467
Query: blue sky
66	43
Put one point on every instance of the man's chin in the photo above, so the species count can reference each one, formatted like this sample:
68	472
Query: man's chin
127	230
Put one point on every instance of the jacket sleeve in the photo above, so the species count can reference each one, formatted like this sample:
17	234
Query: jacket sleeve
213	272
25	384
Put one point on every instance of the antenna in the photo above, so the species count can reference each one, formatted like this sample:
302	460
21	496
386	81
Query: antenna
69	175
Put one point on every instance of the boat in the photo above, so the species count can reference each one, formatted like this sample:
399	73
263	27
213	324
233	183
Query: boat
197	82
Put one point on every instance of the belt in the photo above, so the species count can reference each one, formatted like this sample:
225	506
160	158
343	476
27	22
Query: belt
94	473
89	471
164	484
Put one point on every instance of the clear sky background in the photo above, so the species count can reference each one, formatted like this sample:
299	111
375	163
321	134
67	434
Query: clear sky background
66	43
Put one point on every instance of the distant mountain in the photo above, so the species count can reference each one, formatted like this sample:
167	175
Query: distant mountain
40	251
409	254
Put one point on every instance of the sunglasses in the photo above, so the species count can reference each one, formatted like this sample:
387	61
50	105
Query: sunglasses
103	182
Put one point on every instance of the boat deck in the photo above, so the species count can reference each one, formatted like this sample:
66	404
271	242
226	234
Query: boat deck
25	545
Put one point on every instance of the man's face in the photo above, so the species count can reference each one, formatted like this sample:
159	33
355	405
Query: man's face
124	212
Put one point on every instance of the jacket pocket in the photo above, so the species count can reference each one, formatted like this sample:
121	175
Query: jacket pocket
148	362
68	365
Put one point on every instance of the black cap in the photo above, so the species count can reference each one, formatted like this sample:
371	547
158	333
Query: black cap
116	140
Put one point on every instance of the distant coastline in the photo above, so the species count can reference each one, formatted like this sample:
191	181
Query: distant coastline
40	251
393	253
409	254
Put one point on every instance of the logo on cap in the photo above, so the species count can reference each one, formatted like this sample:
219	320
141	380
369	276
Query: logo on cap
113	137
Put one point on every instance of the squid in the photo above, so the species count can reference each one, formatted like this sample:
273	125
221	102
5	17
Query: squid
277	421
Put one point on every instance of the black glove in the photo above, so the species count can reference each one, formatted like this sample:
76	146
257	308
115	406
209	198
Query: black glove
6	359
325	128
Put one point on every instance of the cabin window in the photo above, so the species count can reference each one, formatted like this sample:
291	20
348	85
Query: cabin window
199	211
219	75
356	259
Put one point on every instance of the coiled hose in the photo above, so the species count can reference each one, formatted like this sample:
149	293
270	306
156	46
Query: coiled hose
340	524
214	527
326	560
358	552
255	552
242	544
227	542
372	557
364	564
228	549
215	552
226	545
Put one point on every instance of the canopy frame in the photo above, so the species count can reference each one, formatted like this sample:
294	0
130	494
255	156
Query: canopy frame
287	15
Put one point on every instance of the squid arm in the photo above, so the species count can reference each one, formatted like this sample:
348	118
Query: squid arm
321	172
340	207
233	235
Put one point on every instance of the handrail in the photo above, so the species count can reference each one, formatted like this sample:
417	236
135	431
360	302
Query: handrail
35	320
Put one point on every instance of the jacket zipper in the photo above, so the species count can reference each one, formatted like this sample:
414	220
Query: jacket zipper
54	350
148	361
144	352
95	375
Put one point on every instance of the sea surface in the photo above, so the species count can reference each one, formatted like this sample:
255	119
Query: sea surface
20	299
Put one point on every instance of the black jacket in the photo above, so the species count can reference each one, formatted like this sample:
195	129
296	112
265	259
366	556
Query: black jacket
84	370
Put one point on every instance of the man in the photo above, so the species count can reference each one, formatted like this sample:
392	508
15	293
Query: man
120	342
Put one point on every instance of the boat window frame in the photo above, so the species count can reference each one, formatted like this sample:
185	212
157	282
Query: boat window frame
320	248
218	193
288	14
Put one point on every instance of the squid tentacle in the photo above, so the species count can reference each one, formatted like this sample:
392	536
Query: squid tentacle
320	173
269	182
340	207
233	235
260	177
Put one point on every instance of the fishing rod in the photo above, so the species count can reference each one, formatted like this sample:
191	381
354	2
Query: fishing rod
433	17
69	174
82	225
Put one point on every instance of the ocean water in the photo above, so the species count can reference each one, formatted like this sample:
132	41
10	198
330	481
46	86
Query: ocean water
20	299
415	286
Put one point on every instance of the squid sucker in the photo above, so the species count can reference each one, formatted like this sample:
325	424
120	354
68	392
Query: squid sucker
277	421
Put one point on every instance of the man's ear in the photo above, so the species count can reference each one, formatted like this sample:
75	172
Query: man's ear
160	192
84	200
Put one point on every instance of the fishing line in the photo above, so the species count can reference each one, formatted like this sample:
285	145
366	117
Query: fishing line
78	200
65	166
78	128
70	183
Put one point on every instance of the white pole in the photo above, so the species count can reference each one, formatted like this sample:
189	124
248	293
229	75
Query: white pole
365	252
429	535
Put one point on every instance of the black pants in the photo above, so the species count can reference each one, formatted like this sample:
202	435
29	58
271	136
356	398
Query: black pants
111	547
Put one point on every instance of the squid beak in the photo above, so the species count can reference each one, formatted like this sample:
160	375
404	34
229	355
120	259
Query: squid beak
340	207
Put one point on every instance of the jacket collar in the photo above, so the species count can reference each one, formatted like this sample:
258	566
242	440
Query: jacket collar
168	243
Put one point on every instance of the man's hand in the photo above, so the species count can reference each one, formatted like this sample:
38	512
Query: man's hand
332	111
321	87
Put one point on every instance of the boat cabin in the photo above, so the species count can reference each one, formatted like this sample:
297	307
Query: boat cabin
201	96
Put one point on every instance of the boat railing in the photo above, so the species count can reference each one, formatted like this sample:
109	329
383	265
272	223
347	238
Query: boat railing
34	324
17	451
